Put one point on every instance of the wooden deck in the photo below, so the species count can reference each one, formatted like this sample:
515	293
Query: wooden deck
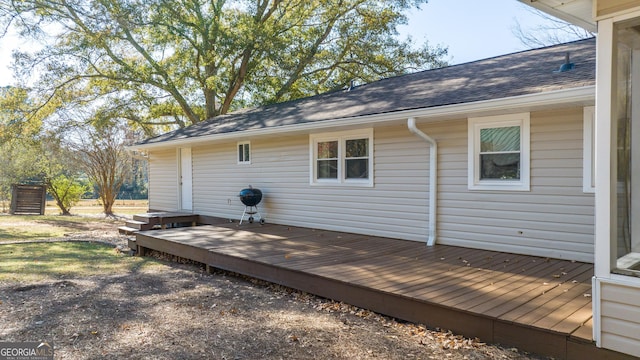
536	304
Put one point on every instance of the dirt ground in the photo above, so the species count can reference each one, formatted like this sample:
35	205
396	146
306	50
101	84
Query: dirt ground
178	311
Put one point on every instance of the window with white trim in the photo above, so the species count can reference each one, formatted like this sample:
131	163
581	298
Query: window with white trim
344	158
244	152
498	157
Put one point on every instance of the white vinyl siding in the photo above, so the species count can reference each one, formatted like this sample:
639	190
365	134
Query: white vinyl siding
555	218
397	206
620	318
163	180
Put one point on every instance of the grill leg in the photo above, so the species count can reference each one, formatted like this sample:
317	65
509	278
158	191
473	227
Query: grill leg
259	216
253	210
243	214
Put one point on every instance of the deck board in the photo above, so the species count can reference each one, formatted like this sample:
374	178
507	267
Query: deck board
429	274
474	285
458	279
499	291
497	295
523	283
505	293
556	304
539	300
585	332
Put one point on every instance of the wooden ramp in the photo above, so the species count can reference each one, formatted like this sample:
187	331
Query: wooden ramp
536	304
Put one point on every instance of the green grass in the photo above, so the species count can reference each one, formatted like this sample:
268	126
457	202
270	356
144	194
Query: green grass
93	207
34	227
46	261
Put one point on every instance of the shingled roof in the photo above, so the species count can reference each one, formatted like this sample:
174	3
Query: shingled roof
521	73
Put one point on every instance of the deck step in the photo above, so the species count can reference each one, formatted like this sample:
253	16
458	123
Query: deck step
146	218
166	218
157	220
132	244
140	225
126	230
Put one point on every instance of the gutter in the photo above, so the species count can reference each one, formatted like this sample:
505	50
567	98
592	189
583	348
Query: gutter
433	177
582	95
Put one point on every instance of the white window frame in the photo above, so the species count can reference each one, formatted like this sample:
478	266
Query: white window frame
243	144
588	146
341	137
475	124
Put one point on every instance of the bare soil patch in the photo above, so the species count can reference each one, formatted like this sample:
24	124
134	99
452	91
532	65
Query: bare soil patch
178	311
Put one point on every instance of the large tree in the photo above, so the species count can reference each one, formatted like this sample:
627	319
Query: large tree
168	63
102	156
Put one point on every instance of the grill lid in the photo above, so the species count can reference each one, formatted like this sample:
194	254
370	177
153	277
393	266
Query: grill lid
250	196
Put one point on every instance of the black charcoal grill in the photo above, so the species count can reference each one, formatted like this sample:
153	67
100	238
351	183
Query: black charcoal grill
250	197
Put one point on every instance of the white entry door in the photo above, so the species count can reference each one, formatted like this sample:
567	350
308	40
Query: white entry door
186	180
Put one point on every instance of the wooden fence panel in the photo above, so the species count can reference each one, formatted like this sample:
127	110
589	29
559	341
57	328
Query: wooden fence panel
28	199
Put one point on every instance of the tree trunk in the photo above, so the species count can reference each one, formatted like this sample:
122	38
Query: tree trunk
54	192
65	211
107	203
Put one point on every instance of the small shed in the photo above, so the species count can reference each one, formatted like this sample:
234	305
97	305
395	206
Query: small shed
28	199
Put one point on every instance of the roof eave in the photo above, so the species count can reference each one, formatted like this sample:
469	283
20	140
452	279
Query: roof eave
577	12
581	95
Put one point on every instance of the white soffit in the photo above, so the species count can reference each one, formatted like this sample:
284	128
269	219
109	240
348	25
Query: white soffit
577	12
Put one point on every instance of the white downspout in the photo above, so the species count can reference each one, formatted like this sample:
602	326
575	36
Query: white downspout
433	177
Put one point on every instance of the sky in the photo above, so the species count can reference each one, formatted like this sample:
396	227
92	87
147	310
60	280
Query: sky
471	29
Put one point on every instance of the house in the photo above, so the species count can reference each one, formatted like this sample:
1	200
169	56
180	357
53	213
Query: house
489	155
616	284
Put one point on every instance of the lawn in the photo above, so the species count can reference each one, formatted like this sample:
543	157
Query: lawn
35	227
93	207
86	217
35	262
